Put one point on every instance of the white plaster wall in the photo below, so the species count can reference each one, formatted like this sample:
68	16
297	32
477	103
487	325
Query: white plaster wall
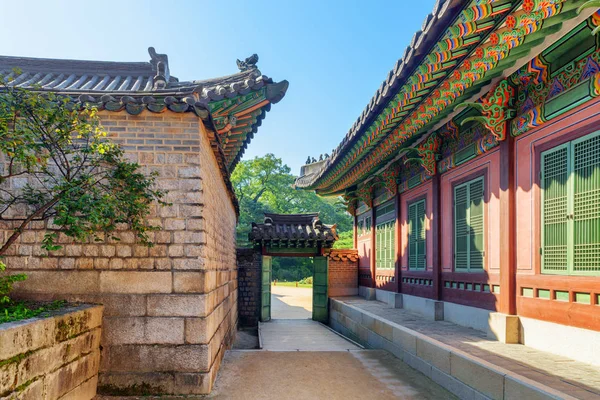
576	343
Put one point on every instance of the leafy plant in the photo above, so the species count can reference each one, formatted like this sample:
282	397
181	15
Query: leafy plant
59	165
17	311
6	284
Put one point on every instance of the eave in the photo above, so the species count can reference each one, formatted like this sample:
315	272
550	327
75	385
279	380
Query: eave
491	41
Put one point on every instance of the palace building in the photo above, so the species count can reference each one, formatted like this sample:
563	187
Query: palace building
473	174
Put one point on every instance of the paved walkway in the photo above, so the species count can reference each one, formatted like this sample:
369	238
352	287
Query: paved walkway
349	375
291	302
303	359
575	378
301	335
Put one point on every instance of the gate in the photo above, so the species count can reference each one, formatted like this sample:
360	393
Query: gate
294	235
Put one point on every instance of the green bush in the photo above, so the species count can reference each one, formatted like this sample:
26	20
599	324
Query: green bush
6	284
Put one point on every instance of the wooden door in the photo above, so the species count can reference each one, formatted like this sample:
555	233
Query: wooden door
265	304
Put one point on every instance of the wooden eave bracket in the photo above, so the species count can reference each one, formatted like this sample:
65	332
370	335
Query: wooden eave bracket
496	109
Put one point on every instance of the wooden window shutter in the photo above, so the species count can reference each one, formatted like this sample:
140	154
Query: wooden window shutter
421	236
416	238
469	225
461	227
412	235
586	205
475	212
555	209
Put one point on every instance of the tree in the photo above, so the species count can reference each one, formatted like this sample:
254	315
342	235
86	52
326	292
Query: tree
264	184
57	165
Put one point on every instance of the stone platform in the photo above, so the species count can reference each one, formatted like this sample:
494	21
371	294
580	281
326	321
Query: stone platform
464	360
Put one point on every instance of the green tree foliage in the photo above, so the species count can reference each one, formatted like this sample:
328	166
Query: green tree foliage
264	184
346	241
57	165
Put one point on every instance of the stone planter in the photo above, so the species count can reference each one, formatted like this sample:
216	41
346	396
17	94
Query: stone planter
51	358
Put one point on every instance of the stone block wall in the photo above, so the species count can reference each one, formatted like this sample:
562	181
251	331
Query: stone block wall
51	358
249	281
170	310
343	273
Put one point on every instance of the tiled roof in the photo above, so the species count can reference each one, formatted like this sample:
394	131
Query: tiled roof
345	255
121	78
293	230
433	24
137	86
463	49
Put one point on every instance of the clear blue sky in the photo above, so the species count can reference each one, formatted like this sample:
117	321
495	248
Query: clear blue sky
334	53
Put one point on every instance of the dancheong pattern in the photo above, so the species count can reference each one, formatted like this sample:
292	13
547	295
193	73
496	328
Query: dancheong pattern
460	59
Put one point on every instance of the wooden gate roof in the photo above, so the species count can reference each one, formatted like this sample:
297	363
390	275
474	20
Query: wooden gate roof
293	231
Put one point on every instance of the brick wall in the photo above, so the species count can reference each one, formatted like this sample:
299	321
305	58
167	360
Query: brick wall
343	273
249	280
170	310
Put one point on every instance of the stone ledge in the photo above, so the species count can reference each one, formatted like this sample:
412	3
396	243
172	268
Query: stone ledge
53	357
466	376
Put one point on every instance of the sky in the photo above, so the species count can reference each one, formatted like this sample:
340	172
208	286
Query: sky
334	53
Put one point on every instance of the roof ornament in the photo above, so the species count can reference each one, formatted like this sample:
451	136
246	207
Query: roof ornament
160	65
248	63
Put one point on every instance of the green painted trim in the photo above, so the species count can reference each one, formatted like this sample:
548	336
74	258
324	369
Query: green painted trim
465	154
584	298
568	100
527	292
561	295
543	294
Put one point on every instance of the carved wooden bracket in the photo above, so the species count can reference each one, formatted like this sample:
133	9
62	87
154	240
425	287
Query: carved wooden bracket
496	109
351	203
365	194
429	153
390	178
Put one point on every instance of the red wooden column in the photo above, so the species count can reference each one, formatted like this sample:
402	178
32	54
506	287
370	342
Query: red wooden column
435	236
398	234
508	292
355	232
373	252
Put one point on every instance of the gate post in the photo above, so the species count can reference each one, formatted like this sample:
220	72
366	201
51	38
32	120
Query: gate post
320	299
265	298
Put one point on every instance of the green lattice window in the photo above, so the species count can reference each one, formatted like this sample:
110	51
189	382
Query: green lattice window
385	255
469	226
416	235
570	183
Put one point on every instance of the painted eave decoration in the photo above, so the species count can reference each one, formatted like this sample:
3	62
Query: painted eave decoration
463	50
235	105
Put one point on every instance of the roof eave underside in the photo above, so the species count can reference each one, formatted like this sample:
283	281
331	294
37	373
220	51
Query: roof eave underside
373	114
